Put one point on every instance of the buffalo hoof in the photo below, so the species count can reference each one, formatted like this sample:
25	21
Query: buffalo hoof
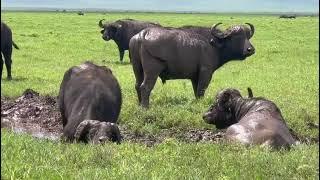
9	78
145	106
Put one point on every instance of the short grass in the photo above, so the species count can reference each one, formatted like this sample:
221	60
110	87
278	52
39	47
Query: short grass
284	69
39	159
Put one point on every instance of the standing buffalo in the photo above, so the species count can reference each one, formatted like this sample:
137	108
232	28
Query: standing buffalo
81	13
121	32
90	102
185	53
6	48
287	16
249	120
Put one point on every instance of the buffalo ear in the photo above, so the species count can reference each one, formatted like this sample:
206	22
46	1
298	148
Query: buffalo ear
106	68
250	94
216	42
225	100
116	27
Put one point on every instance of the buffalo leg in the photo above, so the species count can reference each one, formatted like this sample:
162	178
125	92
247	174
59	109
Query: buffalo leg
8	61
138	73
152	69
139	78
145	88
204	79
137	86
121	53
1	67
195	86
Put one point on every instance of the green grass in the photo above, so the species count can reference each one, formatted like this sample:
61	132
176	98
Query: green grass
285	69
171	159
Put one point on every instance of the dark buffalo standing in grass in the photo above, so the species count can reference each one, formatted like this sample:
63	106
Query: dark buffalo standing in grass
81	13
90	102
185	53
250	121
286	16
121	32
6	48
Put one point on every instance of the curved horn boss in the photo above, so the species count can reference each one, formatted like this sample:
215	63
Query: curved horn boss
251	29
100	23
215	32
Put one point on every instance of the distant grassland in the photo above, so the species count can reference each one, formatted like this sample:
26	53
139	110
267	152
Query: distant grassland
285	69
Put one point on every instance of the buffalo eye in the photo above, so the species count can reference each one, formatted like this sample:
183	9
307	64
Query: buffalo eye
102	31
212	42
101	139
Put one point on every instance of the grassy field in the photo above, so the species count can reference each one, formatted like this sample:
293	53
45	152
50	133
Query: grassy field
284	69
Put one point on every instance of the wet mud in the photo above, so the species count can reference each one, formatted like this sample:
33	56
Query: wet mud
39	116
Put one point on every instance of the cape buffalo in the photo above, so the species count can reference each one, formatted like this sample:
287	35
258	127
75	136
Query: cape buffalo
90	102
6	48
191	53
81	13
121	32
287	16
253	120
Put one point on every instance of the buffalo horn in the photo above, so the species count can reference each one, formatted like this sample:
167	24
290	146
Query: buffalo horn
100	23
214	32
252	29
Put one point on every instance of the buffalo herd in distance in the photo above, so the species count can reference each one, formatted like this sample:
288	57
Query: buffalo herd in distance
286	16
90	97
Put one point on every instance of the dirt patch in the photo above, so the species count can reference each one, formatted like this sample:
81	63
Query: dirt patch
304	139
31	113
188	136
40	117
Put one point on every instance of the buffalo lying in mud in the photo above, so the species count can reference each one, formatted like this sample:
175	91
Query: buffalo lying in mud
121	32
6	48
90	102
250	121
185	53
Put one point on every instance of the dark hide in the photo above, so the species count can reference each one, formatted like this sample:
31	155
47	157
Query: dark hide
88	92
121	32
185	53
6	48
97	132
250	94
203	31
285	16
249	120
80	13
